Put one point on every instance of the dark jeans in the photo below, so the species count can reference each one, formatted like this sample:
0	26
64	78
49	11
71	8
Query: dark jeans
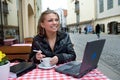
98	35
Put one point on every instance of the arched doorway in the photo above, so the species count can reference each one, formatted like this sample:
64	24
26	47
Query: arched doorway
113	27
31	22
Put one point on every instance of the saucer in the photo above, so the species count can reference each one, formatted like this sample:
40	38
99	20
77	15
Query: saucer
43	67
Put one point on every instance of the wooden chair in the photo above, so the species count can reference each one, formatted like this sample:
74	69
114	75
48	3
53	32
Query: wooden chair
20	53
28	40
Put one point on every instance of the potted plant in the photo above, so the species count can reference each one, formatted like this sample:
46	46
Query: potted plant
4	66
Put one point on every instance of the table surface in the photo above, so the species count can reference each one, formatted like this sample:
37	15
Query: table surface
22	44
51	74
9	39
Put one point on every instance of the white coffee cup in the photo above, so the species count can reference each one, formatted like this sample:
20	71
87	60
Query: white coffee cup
46	62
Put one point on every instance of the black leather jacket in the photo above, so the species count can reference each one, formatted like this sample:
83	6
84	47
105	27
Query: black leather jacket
63	48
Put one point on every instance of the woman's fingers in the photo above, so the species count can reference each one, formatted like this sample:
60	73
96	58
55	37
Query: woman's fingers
39	56
54	60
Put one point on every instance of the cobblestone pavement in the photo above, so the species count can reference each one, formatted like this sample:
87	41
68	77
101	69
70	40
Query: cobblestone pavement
111	51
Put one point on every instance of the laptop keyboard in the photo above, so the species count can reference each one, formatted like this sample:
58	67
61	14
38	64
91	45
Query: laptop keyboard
72	68
75	69
64	67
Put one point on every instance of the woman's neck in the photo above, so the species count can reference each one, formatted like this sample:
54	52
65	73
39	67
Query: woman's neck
51	35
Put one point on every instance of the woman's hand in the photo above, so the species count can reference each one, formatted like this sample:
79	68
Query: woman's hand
39	55
54	60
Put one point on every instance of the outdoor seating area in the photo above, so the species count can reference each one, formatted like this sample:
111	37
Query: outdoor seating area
28	40
16	52
9	42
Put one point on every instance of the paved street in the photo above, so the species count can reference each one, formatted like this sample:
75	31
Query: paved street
109	62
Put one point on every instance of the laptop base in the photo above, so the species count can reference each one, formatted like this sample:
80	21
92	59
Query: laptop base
72	69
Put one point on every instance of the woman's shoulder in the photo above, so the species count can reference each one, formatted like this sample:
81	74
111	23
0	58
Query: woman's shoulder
38	37
63	34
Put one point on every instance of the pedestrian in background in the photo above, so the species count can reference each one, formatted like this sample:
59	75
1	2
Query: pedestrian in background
79	30
51	42
97	30
85	29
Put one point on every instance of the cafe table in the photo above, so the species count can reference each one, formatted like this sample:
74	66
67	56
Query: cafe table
9	42
22	44
51	74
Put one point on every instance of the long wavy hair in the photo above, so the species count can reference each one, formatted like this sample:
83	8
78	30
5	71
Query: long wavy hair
40	29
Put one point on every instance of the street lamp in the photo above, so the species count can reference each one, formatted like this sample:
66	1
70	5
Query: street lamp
77	12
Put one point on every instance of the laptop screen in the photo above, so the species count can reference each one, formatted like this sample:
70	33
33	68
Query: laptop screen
92	54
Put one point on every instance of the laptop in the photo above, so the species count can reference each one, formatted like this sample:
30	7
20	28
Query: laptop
89	62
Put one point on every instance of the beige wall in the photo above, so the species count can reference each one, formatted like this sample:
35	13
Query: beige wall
87	11
111	12
28	18
108	16
12	16
71	16
106	21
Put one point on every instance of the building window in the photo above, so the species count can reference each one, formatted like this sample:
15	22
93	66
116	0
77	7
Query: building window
118	2
101	6
109	4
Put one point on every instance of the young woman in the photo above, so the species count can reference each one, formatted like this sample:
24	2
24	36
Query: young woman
50	41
